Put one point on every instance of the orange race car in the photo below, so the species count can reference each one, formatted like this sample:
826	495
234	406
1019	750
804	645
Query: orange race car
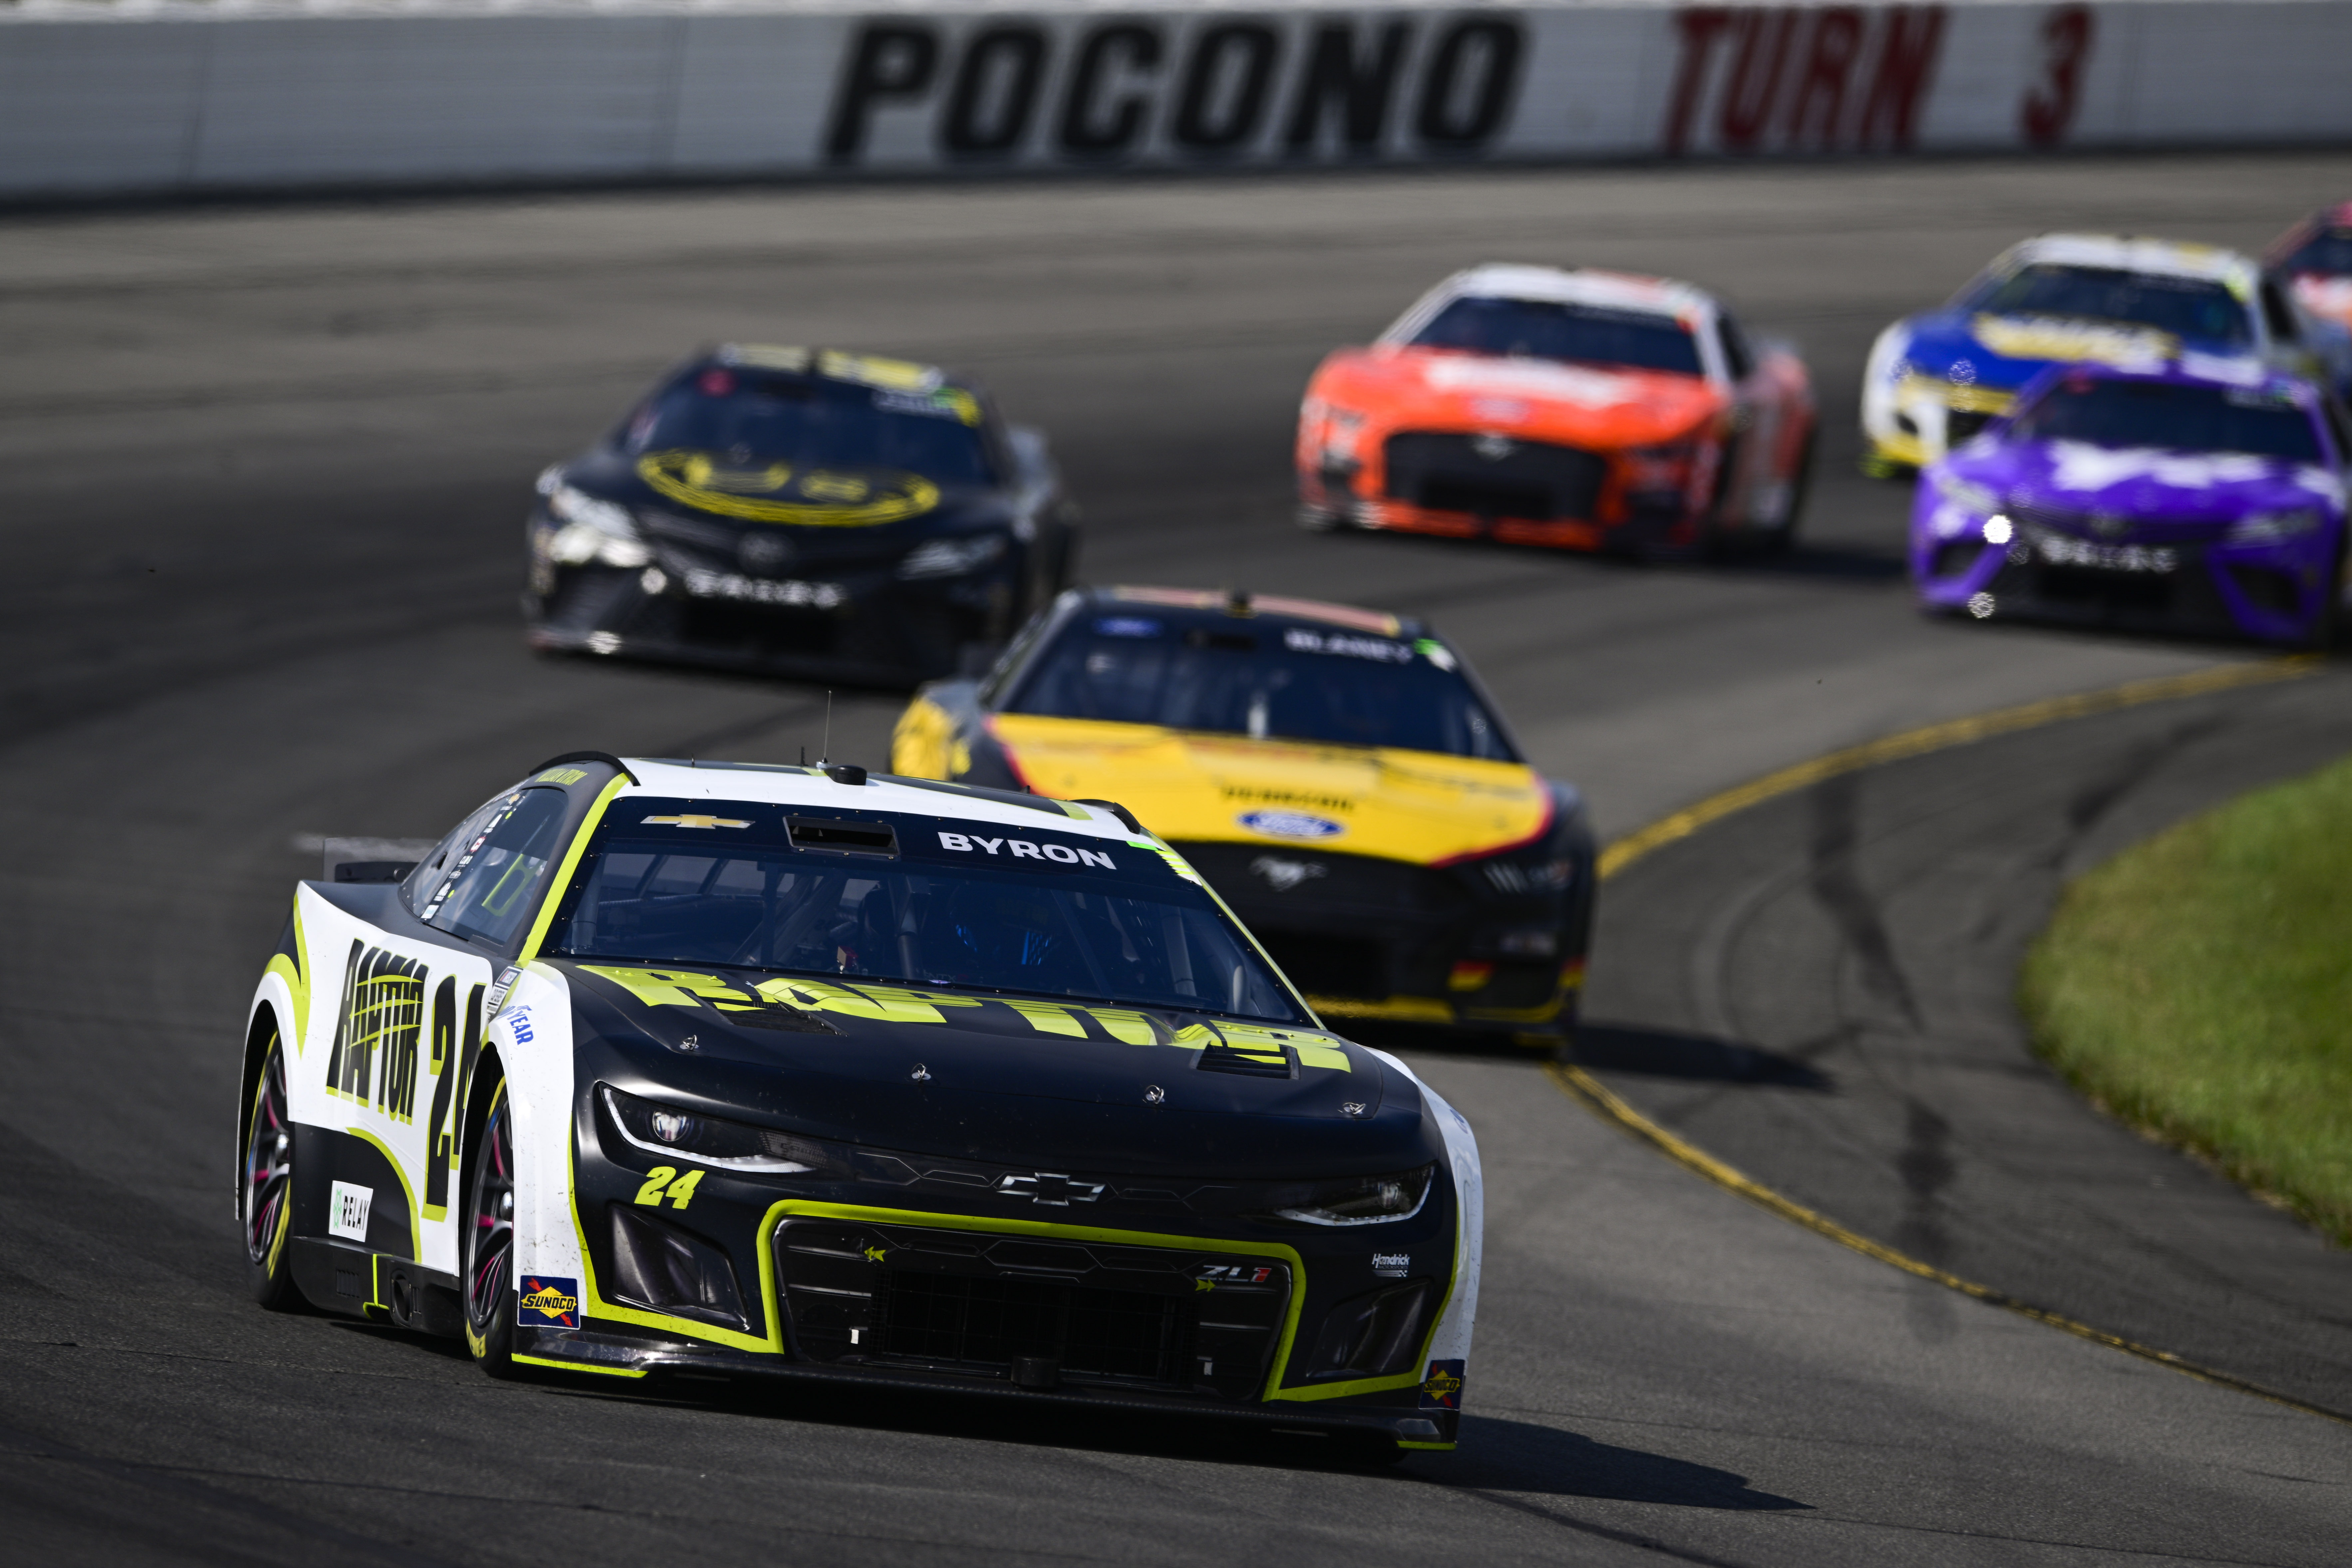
1595	410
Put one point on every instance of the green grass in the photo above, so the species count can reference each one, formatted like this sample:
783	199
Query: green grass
2200	986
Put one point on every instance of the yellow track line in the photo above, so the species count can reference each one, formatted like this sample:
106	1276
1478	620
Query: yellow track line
1624	851
1596	1097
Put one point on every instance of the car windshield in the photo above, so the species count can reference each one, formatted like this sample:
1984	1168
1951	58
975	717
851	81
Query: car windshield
2197	307
917	900
2171	416
2329	253
1268	682
773	416
1548	329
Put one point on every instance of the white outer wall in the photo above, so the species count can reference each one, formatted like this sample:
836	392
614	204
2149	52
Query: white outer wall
159	97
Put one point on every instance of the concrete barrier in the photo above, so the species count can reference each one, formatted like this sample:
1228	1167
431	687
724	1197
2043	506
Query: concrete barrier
161	95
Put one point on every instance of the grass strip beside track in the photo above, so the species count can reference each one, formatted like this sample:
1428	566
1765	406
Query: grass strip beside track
1590	1092
2200	985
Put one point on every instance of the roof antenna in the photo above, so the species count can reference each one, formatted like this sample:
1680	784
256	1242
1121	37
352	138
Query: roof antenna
824	755
1238	602
803	755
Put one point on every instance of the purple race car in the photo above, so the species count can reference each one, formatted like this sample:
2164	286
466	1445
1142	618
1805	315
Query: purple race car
2211	501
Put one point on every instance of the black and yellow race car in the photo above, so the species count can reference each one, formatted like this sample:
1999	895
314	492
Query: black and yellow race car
1338	775
657	1068
802	511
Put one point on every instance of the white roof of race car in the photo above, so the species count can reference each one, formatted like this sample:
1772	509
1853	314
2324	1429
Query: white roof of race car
772	784
1578	286
2132	253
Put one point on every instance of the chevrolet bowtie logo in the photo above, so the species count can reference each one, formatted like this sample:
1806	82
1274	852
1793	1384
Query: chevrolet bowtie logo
1050	1188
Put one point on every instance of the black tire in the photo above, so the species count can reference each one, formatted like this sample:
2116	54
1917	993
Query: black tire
2327	625
265	1187
489	1283
1801	486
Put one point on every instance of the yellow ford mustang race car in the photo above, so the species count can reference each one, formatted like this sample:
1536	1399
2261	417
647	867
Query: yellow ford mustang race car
1338	775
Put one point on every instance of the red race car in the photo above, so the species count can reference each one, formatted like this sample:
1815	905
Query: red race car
1593	410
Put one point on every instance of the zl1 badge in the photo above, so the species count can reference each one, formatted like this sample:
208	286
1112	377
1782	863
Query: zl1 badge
548	1302
1442	1388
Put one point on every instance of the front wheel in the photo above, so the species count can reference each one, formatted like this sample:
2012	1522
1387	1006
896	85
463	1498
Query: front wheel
489	1241
266	1188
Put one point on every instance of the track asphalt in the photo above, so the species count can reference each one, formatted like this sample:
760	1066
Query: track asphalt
264	474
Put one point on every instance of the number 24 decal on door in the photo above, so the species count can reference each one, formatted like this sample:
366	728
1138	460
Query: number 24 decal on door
679	1191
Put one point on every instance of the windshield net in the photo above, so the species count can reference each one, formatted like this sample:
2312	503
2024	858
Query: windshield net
676	882
1294	683
2173	417
774	417
1547	329
2196	308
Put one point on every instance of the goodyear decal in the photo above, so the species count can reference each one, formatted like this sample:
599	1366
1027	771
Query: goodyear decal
1420	807
779	492
562	776
548	1301
374	1058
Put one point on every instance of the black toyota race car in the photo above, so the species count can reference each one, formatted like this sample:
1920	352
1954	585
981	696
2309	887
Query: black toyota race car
1338	775
801	511
653	1068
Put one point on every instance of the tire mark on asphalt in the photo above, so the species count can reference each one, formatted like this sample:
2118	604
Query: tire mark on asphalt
1836	885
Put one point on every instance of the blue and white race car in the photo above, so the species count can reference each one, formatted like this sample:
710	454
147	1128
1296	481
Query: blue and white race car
1935	379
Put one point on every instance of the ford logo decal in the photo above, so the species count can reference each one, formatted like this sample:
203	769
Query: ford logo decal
1290	824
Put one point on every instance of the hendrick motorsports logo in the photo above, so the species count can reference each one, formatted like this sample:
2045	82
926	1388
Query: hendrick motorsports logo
1290	823
548	1302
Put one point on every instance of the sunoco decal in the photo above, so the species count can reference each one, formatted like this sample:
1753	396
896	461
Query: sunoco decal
1441	1386
547	1301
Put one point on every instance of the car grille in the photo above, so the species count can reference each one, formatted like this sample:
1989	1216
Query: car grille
1534	481
2112	527
982	1304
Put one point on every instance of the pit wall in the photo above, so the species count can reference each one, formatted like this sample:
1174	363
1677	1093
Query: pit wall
170	95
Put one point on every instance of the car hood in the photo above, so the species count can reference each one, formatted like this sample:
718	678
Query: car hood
710	486
1447	389
1417	806
946	1072
2004	352
2071	476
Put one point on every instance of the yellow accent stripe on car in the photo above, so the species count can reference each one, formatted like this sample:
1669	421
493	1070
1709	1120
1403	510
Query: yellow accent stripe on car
1420	807
577	1365
408	1196
296	972
564	873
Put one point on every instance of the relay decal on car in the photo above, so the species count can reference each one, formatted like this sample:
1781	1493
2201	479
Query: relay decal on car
347	1211
1441	1387
546	1301
374	1051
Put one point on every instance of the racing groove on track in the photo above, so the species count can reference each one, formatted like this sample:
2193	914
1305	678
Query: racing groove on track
265	469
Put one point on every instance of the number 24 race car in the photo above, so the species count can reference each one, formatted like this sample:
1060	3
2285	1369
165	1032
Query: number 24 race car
802	1073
